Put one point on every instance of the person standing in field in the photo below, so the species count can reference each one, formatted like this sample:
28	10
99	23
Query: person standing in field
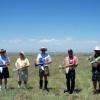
95	69
22	65
70	62
4	72
42	61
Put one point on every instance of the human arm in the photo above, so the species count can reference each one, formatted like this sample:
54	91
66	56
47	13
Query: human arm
48	60
74	63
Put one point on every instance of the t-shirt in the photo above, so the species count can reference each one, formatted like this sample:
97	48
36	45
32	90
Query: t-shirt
43	58
67	61
4	60
22	63
73	61
95	65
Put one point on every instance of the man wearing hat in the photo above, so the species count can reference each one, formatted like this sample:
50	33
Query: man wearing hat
43	60
4	72
95	62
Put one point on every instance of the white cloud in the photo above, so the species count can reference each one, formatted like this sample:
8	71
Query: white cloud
14	41
31	40
69	39
47	40
55	41
53	44
92	42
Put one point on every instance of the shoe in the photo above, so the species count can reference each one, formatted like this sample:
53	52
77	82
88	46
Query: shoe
95	91
71	92
66	90
99	90
46	89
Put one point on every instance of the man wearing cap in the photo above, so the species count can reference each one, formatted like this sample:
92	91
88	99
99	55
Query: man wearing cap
43	59
4	72
95	62
70	62
22	65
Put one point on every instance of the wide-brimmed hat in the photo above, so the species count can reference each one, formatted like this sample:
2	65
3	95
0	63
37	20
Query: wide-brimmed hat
2	51
43	49
97	48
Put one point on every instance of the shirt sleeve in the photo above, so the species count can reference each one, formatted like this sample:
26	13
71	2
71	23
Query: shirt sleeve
27	62
91	58
76	61
66	61
49	58
16	63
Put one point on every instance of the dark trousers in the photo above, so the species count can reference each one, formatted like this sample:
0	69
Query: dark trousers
70	80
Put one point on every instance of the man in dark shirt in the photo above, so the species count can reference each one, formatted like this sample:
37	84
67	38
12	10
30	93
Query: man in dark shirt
96	69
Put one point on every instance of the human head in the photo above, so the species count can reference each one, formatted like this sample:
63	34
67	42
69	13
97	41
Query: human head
97	50
70	52
43	49
2	52
21	55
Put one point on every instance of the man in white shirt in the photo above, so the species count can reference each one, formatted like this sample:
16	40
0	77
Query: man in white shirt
4	72
43	60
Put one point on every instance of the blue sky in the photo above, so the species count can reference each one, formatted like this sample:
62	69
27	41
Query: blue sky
57	24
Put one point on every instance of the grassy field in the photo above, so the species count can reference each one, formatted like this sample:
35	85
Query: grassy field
56	82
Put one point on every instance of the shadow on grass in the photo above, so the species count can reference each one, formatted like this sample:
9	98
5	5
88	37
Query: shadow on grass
51	88
77	90
54	90
30	87
12	88
97	92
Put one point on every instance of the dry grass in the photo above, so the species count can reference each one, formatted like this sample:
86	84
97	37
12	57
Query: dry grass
56	82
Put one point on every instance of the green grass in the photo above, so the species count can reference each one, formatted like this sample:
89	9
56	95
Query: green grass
56	82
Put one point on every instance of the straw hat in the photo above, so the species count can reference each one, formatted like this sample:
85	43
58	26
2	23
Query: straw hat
43	49
97	48
2	51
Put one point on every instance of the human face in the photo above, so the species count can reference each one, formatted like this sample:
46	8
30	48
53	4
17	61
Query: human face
70	53
21	56
43	51
2	53
97	52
